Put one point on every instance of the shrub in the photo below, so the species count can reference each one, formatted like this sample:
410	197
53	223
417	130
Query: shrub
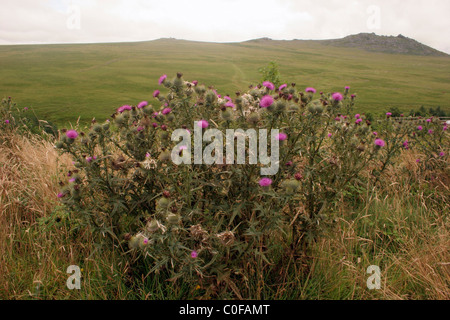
217	224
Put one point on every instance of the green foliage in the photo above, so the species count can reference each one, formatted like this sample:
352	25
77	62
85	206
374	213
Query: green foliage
271	73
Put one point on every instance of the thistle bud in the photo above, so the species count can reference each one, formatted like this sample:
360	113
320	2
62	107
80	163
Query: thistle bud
163	203
226	115
97	128
153	225
133	243
173	218
253	117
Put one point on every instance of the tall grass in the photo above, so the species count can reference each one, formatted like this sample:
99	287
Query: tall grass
403	227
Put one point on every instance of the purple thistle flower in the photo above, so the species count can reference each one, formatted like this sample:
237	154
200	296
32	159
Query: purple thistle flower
388	114
142	104
194	254
310	89
155	125
72	180
265	182
417	160
6	121
156	93
89	159
441	154
71	134
282	87
166	111
289	163
357	116
123	108
358	121
162	79
430	131
375	133
266	101
379	143
140	128
347	88
405	144
228	98
282	136
60	195
203	124
428	120
330	135
230	104
419	128
337	96
195	82
269	85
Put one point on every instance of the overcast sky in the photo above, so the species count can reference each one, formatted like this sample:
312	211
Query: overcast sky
84	21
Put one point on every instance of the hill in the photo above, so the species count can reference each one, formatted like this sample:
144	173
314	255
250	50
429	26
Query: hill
386	44
63	82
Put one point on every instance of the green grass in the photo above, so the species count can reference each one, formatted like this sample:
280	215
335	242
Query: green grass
64	82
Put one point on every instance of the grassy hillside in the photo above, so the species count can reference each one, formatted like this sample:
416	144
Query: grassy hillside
62	82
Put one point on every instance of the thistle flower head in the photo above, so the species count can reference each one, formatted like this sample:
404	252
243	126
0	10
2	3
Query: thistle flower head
310	89
266	101
283	86
142	104
337	96
194	254
71	134
230	104
265	182
203	124
379	143
124	108
166	111
269	85
162	79
282	136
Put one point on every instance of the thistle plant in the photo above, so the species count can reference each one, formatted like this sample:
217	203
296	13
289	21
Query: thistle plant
219	222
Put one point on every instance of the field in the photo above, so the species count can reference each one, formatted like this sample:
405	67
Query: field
349	192
64	82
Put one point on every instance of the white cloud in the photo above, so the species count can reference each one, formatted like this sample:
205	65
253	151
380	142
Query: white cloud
45	21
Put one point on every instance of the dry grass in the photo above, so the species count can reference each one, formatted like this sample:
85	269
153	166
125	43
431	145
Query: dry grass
407	234
30	169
